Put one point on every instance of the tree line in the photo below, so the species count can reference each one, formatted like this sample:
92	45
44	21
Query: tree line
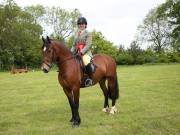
21	30
160	31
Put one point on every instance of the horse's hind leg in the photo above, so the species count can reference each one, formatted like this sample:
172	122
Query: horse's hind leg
114	92
105	92
113	108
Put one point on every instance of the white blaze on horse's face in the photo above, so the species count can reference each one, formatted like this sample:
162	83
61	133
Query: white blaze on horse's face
44	49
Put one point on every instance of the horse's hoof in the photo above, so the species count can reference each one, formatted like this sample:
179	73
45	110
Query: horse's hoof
106	110
75	124
113	110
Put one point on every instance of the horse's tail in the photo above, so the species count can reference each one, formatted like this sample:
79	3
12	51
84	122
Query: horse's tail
114	94
116	88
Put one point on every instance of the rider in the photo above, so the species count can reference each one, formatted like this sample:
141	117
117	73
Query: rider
82	45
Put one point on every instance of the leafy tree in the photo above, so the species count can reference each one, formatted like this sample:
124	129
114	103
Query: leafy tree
18	35
101	45
156	31
135	51
171	9
62	22
37	12
121	49
70	41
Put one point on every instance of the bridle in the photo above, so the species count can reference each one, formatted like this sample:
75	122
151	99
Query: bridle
49	65
57	61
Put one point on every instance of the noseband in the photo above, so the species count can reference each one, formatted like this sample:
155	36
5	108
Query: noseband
49	65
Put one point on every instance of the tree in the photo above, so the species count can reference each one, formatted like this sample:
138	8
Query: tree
19	34
101	45
135	51
156	31
171	9
37	12
62	22
121	48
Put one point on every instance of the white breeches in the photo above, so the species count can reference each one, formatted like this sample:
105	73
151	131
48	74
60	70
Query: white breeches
86	59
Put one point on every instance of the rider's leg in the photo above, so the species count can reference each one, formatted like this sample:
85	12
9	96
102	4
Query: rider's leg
90	67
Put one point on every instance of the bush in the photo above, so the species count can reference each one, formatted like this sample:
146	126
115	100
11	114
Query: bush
149	59
162	58
173	57
124	59
140	59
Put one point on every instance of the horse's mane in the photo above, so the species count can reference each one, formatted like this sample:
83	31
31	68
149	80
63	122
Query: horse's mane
61	44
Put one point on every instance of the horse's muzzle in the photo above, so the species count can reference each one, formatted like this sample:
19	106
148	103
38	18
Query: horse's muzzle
46	67
45	70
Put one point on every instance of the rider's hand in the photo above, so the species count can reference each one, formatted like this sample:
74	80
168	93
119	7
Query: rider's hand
80	54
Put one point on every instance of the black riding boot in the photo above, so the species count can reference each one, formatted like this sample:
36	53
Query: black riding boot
90	69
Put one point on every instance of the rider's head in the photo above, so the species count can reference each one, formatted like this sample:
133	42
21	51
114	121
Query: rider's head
82	23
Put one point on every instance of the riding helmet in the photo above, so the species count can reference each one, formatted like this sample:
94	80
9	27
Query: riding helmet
82	20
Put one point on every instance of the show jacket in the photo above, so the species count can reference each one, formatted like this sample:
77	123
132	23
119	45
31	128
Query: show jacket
83	37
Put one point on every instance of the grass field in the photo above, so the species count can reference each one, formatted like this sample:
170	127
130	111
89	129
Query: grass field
149	104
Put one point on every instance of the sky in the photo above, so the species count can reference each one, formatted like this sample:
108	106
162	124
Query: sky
116	19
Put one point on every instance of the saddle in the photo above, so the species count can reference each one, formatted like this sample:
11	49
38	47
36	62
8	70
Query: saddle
87	71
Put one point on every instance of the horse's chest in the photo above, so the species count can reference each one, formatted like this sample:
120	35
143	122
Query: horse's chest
64	80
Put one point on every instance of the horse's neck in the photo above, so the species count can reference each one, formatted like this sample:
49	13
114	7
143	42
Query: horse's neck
63	53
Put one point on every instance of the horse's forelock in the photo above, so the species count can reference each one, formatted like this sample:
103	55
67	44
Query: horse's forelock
50	42
46	43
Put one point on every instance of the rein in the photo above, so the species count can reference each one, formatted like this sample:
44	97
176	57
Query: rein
60	63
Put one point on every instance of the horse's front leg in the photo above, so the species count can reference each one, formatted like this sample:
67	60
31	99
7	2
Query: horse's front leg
73	98
71	105
75	107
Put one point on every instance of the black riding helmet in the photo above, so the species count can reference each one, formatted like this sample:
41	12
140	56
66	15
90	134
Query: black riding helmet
81	20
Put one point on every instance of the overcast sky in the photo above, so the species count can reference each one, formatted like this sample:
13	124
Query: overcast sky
116	19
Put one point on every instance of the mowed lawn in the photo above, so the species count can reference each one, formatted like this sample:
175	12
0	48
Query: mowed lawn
149	104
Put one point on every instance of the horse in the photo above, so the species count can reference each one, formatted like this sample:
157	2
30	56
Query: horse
71	74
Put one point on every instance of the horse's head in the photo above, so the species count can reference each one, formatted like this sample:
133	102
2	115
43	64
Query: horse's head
48	54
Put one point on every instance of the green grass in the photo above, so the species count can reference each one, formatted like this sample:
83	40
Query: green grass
149	104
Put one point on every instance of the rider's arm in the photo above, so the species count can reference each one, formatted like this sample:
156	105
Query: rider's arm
88	43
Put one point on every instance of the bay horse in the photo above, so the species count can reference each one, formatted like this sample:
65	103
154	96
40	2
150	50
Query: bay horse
71	74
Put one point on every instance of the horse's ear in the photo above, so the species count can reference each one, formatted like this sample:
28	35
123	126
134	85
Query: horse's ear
43	39
48	39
